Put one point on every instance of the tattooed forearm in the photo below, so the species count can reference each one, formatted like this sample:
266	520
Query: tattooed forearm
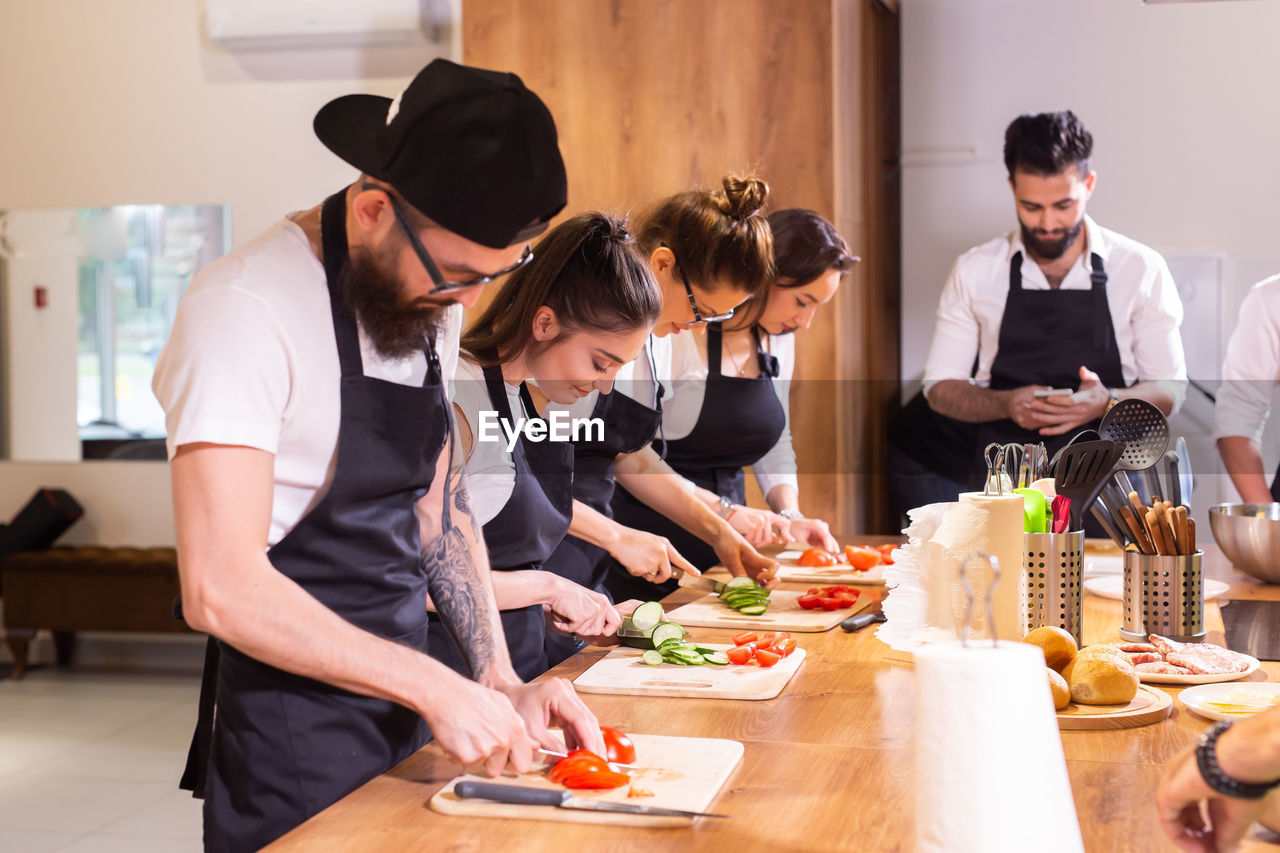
462	503
458	590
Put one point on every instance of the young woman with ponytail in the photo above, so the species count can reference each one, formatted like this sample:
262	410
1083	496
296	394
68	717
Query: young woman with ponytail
558	329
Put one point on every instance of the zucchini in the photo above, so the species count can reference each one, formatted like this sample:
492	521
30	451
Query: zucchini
646	617
654	658
664	632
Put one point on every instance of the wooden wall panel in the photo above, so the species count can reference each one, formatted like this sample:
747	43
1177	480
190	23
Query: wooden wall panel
654	96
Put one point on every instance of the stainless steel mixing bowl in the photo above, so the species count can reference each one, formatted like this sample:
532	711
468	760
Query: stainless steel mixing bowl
1249	534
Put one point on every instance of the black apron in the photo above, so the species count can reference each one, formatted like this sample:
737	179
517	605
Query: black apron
740	421
1045	335
522	535
628	426
284	747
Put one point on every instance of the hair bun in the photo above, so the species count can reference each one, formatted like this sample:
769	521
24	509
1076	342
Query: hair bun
742	196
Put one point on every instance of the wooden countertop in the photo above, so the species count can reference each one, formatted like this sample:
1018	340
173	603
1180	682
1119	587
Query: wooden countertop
828	764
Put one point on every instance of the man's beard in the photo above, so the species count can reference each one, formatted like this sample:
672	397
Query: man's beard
376	299
1050	250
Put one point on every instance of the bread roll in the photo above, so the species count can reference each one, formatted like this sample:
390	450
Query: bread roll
1061	692
1101	679
1059	647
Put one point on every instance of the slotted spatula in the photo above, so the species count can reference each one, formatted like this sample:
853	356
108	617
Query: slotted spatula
1082	470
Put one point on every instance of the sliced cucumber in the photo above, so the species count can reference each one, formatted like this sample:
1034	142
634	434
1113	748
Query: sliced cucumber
740	583
654	658
666	631
685	656
646	617
753	609
717	658
704	651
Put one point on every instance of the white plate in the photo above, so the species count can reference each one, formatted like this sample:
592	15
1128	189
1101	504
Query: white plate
1195	697
1112	586
1161	678
1109	565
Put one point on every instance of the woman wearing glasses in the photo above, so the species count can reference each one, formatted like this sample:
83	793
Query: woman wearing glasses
732	409
558	329
729	252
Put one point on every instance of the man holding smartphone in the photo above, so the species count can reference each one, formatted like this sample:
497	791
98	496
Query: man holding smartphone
1041	329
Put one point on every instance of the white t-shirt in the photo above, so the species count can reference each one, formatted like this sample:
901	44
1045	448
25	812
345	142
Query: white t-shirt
491	472
252	360
683	405
1252	367
1146	310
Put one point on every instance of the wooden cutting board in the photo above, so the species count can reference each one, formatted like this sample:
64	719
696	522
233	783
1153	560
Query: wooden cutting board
682	772
623	672
784	614
1149	706
841	574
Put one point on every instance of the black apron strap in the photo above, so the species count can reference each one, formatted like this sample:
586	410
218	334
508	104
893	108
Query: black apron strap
715	341
1015	271
333	242
1098	275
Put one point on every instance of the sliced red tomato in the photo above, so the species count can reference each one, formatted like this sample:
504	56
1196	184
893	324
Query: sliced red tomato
810	601
846	599
767	658
744	638
769	637
784	647
862	558
886	553
597	779
618	747
829	603
567	767
816	557
739	654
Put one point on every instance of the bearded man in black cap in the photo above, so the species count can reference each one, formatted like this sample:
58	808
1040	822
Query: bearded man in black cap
317	503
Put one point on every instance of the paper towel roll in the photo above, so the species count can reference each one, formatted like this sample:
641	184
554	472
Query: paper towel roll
1001	535
990	774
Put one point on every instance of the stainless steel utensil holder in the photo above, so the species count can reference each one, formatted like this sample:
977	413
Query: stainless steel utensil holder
1051	581
1163	595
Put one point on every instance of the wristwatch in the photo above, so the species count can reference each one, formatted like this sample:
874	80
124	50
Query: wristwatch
1216	778
1115	398
791	514
726	507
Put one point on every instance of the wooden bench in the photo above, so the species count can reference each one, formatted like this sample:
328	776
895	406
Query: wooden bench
86	589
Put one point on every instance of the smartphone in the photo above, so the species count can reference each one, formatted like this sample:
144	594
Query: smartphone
1053	392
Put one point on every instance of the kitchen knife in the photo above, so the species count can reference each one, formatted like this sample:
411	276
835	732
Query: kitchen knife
524	796
699	582
556	756
862	620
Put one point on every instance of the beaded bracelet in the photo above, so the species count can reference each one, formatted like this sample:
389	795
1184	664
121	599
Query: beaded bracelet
1216	778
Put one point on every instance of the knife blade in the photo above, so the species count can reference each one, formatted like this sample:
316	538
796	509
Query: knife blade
556	756
699	582
522	795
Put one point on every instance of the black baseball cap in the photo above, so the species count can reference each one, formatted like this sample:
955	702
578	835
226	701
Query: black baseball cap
472	149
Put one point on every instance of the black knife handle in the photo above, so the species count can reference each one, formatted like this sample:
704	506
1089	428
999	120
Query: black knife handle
860	621
516	794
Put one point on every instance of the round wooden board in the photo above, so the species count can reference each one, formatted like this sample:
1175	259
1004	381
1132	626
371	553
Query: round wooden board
1149	706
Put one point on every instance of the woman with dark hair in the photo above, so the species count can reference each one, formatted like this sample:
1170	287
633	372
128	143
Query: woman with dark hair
709	252
558	330
731	410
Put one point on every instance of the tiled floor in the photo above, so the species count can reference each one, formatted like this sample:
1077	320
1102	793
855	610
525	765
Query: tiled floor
90	758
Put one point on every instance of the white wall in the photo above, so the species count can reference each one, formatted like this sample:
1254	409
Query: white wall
1181	102
127	102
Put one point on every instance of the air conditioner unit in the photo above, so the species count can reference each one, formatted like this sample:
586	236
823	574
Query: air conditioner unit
282	24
